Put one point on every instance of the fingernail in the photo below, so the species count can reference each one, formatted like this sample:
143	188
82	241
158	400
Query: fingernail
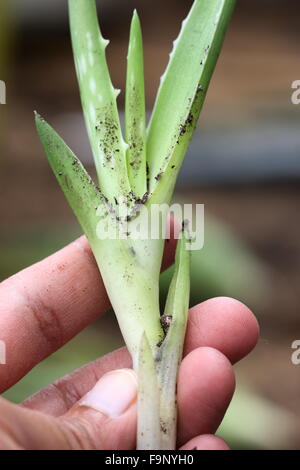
113	394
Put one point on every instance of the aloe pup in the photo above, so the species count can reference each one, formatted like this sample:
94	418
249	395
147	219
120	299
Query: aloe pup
135	175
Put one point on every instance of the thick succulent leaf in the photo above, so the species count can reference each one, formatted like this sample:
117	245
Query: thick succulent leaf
98	98
148	429
135	112
163	190
189	71
80	191
177	302
174	322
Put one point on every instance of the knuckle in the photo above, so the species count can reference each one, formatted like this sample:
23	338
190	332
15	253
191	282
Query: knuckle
79	434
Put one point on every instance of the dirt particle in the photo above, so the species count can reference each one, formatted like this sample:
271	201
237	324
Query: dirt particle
165	321
163	427
145	197
190	119
182	130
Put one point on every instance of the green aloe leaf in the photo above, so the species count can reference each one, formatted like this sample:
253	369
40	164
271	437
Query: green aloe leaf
174	321
177	302
135	112
78	187
148	417
187	77
98	98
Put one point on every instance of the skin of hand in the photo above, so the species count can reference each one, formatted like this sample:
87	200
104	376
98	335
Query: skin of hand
45	305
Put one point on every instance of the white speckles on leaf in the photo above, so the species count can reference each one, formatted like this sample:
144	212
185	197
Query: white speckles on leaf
89	40
99	98
92	113
83	65
78	68
92	85
91	59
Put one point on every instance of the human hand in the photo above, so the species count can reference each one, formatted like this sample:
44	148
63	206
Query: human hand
44	306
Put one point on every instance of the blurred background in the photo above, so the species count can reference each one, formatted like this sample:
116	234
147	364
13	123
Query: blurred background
243	164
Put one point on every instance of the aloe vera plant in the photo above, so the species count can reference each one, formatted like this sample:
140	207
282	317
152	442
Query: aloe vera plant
137	174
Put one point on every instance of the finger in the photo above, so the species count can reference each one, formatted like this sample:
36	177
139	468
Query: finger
57	398
107	414
104	419
44	306
205	442
222	323
26	429
205	387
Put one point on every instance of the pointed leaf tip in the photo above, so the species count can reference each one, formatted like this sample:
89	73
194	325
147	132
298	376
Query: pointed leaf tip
135	114
80	191
37	116
135	21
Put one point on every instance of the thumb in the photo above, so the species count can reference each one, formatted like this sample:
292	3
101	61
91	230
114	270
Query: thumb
105	418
